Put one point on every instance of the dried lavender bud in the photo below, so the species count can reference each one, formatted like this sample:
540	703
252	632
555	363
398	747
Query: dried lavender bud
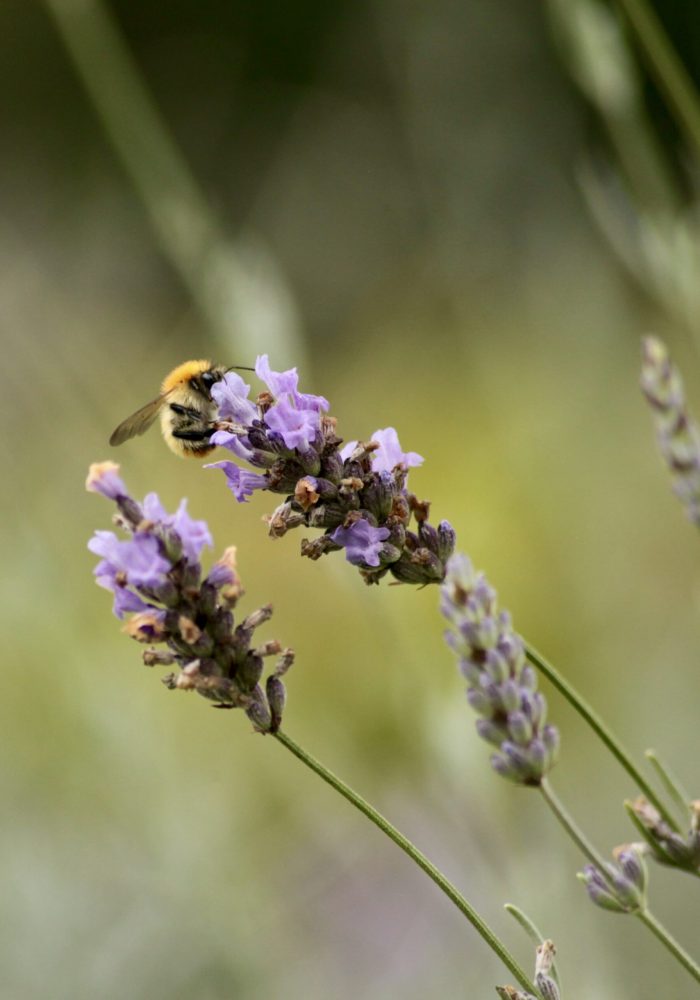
544	960
678	434
510	993
667	846
501	685
621	888
356	495
548	989
155	577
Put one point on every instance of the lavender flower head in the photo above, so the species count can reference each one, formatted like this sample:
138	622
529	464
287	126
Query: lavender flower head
156	578
621	887
677	432
666	845
356	495
501	685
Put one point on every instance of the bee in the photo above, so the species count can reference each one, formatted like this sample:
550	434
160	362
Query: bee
187	411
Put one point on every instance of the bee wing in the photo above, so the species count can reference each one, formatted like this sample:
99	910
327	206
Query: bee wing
138	422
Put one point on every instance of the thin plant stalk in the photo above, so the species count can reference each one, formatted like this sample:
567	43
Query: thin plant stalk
645	915
669	942
600	729
568	823
667	69
237	287
420	859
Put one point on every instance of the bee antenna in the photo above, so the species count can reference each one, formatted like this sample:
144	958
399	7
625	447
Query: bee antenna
240	368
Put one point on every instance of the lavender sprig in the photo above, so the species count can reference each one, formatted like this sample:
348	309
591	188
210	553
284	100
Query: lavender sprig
502	686
547	986
677	432
666	845
357	495
620	887
156	578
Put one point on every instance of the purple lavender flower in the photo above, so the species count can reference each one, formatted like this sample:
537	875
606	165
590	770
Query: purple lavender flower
621	887
362	542
678	434
281	384
138	561
666	845
104	478
388	455
502	686
298	428
231	396
153	509
241	482
125	600
193	535
357	496
546	984
156	579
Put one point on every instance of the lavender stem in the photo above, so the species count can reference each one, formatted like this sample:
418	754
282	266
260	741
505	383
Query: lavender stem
600	729
420	859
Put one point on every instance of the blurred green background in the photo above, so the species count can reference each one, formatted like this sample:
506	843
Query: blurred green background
400	203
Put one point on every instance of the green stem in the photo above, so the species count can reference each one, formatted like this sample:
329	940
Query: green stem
420	859
600	729
667	69
669	942
569	824
587	849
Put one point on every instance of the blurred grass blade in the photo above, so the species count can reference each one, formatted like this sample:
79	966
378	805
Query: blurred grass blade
670	782
238	288
665	66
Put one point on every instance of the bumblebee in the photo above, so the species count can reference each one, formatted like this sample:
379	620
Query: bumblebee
187	411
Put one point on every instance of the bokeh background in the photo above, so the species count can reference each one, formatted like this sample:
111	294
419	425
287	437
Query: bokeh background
458	219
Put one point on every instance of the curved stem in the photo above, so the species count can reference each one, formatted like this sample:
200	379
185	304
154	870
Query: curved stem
669	942
600	729
569	824
420	859
587	849
667	69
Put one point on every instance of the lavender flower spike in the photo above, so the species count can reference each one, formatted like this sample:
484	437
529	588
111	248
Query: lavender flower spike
678	434
501	685
357	496
155	576
622	887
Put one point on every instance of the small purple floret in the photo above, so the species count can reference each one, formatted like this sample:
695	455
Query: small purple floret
139	558
126	601
298	428
194	535
388	455
241	482
279	383
231	396
153	509
283	384
104	478
362	542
